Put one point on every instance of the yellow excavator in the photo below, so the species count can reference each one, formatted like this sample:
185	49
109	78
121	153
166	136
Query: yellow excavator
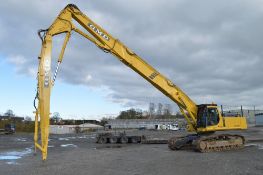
203	119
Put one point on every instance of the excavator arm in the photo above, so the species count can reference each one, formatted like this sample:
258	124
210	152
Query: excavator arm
97	35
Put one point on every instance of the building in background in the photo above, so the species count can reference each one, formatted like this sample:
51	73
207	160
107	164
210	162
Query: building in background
89	127
72	129
62	129
259	119
12	118
143	123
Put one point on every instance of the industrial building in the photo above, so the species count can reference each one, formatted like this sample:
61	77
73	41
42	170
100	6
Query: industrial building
62	129
259	119
71	129
142	123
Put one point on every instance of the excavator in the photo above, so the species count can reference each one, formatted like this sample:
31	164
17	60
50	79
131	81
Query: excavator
203	119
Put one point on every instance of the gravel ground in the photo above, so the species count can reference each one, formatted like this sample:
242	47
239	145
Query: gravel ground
78	154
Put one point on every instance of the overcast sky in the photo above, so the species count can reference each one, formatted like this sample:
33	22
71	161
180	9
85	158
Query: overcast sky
211	49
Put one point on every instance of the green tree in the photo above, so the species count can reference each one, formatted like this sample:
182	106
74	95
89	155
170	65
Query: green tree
104	121
55	119
9	113
131	114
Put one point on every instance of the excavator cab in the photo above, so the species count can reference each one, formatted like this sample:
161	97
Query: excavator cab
207	115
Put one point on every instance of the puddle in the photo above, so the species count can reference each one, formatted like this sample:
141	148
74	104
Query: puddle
71	137
66	138
82	137
14	155
63	139
251	144
69	145
21	139
9	157
259	146
12	163
50	146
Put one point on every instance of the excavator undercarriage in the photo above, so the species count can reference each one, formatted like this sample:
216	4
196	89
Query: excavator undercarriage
207	142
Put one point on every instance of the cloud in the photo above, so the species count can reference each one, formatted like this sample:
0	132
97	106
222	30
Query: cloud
18	60
211	49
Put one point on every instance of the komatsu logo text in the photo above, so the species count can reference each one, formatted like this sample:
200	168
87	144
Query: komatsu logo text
98	31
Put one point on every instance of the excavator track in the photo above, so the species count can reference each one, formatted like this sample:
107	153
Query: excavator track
203	144
177	143
221	142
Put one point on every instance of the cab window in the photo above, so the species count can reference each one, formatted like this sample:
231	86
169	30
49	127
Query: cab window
212	116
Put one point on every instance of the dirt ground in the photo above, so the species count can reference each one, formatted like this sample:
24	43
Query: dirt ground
79	154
